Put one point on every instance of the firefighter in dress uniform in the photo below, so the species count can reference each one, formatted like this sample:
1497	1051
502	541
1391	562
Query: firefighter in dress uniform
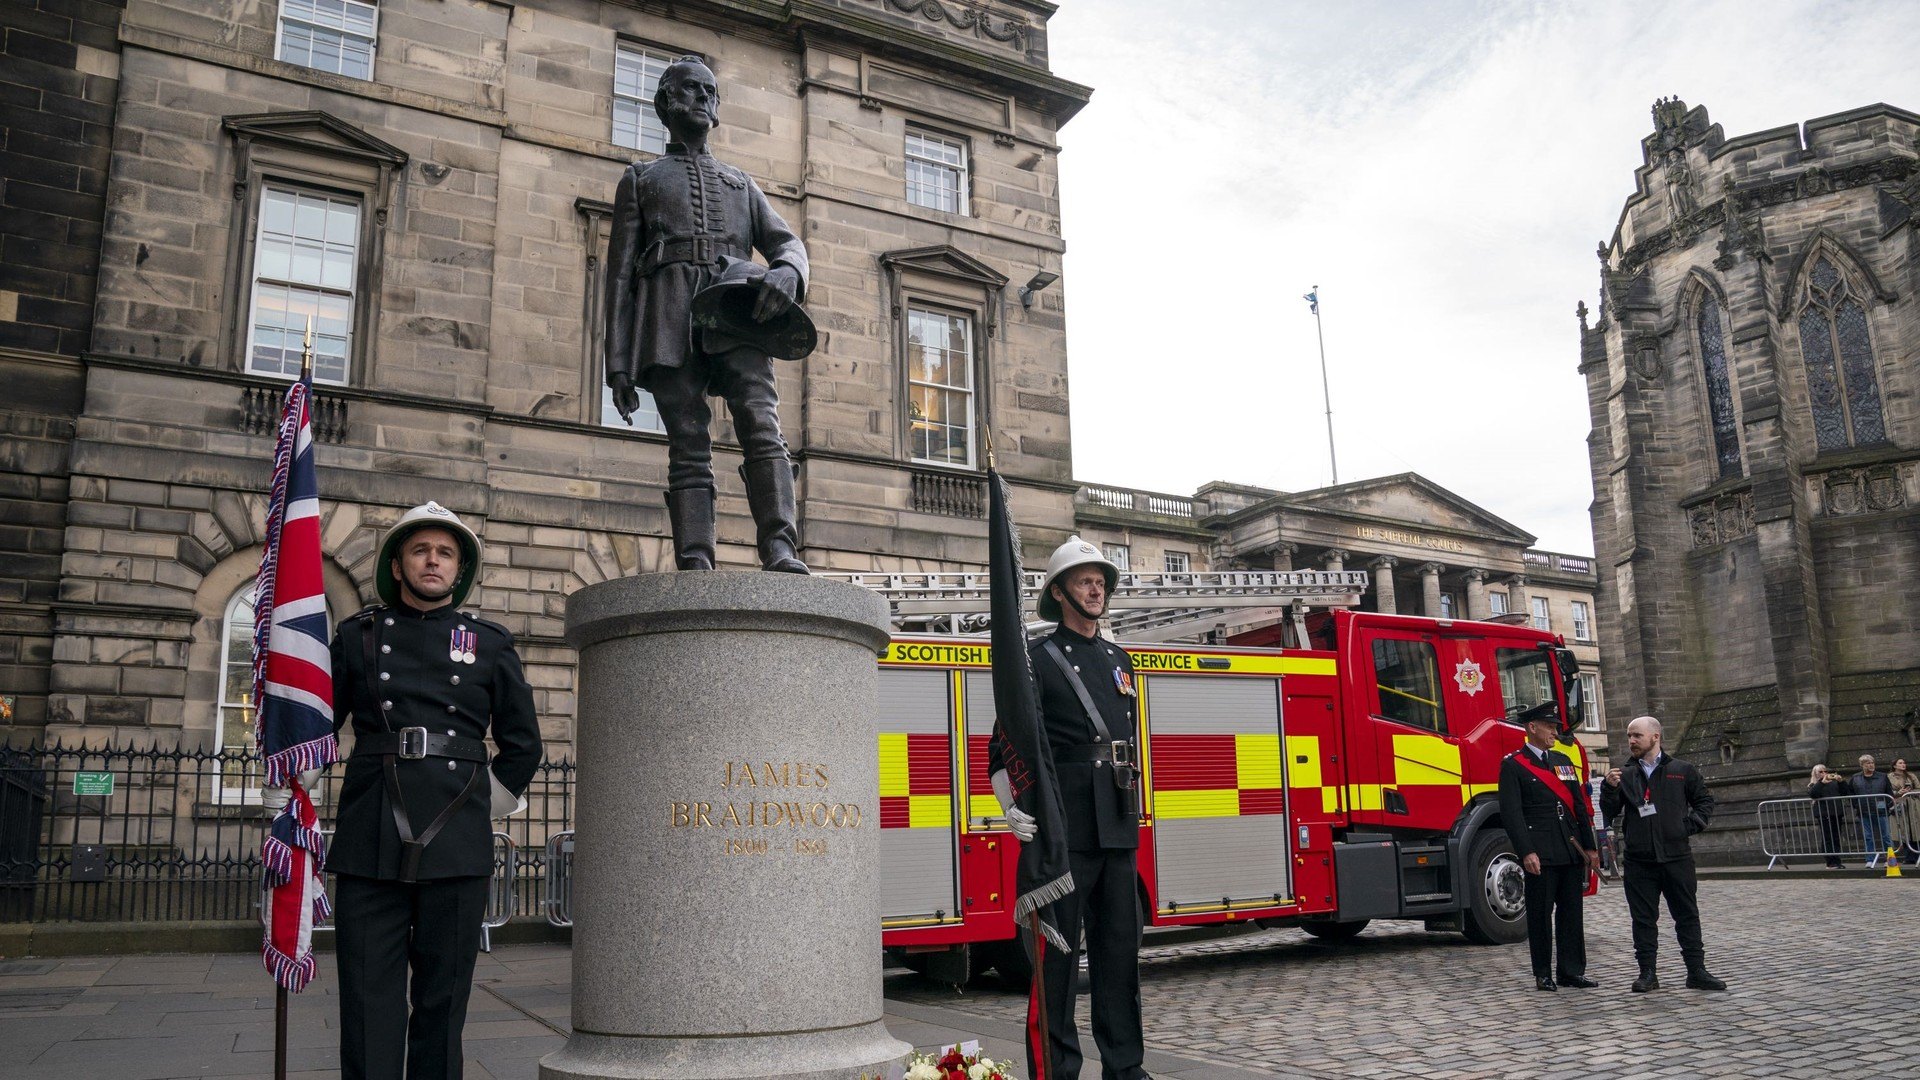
1543	808
1087	707
423	683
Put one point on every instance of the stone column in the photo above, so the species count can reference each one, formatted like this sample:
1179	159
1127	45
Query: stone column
1517	597
726	867
1383	597
1333	559
1283	553
1477	605
1430	589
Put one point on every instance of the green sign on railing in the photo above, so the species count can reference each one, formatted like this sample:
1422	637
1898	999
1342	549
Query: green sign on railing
93	783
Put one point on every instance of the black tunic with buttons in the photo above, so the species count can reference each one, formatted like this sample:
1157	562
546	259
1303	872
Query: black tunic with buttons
415	682
1096	810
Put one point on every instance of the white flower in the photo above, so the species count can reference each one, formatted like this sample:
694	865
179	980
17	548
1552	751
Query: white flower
980	1071
923	1070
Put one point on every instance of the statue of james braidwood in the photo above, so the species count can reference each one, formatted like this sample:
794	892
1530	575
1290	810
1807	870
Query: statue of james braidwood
689	314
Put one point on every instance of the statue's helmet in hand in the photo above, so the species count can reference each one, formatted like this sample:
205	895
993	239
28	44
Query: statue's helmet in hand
726	307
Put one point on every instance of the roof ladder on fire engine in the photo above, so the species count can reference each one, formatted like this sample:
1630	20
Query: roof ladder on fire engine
1157	607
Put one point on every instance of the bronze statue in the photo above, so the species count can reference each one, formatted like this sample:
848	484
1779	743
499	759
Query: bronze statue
689	314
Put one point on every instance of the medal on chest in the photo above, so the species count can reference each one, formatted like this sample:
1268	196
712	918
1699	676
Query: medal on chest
460	649
1566	773
1123	681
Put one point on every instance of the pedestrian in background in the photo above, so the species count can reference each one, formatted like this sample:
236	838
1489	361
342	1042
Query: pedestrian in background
1826	789
1873	812
1663	802
1906	811
1602	835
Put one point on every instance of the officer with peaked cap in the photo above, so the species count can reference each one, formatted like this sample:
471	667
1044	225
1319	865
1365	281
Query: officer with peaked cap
423	684
1088	708
1548	819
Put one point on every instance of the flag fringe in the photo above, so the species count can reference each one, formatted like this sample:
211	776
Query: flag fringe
283	765
1039	897
287	971
277	860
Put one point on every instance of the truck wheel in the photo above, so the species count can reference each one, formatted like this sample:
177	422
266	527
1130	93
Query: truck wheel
1334	931
1496	912
1010	959
952	967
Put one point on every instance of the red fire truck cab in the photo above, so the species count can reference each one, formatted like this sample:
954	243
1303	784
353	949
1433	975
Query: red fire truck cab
1321	772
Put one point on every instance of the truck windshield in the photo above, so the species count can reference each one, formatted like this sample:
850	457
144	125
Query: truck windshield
1526	679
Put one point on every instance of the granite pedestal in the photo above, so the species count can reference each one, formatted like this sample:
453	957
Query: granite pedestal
726	860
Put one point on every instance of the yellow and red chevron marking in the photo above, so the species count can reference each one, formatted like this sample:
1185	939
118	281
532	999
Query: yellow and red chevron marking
1202	776
980	796
916	781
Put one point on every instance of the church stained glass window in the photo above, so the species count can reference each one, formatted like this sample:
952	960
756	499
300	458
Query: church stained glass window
1713	357
1843	388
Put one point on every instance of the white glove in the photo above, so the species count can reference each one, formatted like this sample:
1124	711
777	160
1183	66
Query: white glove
275	798
503	803
1021	823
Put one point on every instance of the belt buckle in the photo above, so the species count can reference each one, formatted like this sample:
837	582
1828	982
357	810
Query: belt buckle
413	743
703	250
1122	751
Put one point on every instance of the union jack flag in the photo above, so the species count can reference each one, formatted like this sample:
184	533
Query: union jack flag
293	693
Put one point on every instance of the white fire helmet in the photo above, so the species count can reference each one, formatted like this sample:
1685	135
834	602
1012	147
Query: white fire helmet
1075	552
428	515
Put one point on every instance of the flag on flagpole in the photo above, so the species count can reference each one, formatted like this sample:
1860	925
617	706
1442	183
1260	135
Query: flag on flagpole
293	693
1313	301
1042	875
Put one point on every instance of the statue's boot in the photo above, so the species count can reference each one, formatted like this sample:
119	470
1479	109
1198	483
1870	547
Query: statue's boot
690	510
770	497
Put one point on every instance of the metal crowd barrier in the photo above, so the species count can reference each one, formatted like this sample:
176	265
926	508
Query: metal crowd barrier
560	878
499	892
1827	828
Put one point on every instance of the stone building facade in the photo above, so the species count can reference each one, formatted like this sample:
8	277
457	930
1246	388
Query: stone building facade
429	181
1427	552
1755	405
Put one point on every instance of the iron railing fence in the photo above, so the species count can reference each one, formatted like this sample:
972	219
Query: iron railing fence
157	834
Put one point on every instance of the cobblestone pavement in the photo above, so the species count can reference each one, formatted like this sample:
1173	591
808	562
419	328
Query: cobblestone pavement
1812	965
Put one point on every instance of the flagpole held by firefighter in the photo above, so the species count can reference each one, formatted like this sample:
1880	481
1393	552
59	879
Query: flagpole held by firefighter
293	703
1042	876
1326	394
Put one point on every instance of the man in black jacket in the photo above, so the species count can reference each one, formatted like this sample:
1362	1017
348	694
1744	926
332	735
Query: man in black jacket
1664	801
1544	810
1087	707
423	684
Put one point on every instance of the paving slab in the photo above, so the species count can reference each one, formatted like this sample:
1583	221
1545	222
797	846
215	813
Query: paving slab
1808	959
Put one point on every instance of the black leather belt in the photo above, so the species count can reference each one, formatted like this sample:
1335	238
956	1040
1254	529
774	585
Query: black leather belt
1119	753
414	743
703	250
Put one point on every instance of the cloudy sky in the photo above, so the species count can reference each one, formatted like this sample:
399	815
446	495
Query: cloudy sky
1442	171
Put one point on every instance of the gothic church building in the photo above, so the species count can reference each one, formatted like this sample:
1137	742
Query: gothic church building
1755	401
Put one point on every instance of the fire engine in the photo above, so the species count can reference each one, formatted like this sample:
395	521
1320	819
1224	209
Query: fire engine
1323	770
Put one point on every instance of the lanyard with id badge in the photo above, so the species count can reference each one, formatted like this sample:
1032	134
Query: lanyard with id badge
1647	809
